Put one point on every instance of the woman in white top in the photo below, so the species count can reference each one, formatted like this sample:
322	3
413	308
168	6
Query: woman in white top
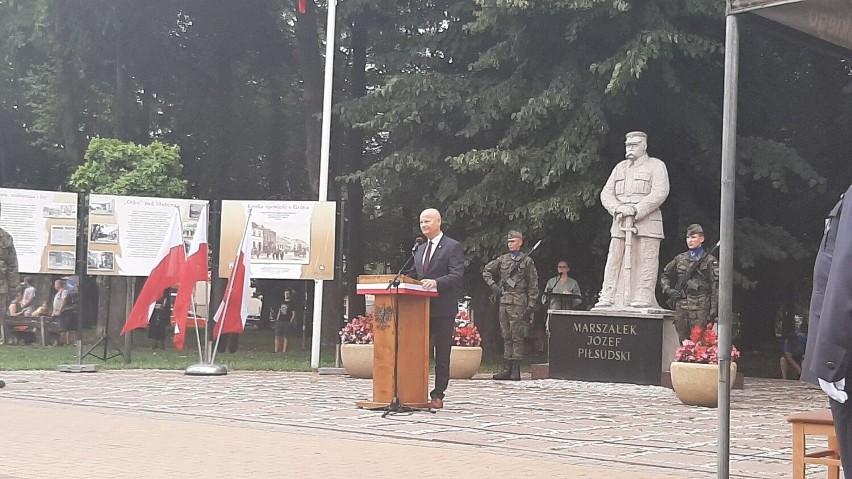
561	291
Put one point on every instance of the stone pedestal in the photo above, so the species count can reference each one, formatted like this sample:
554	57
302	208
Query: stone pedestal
611	346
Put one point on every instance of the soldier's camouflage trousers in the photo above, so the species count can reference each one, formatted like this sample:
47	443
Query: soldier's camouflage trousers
513	328
696	313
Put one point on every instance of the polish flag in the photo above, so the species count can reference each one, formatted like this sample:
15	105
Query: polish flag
237	293
194	270
165	274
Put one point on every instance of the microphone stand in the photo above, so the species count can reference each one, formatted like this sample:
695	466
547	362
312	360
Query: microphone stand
394	283
396	406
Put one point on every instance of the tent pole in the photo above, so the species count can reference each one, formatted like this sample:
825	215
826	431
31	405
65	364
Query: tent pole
726	233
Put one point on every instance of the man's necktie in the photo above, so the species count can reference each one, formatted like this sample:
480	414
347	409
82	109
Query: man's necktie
426	257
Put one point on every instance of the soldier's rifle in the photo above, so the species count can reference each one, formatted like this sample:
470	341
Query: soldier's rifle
681	282
502	283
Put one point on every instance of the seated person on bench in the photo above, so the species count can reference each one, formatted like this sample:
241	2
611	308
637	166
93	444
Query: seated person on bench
15	308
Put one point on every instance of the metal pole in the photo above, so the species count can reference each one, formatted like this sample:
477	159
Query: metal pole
214	236
323	177
726	233
80	269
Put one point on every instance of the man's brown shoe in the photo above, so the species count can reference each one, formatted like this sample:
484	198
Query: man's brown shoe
436	403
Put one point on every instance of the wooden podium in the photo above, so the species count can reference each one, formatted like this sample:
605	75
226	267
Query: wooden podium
411	303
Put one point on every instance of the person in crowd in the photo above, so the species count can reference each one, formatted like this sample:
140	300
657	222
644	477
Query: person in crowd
65	320
828	361
439	265
160	320
229	342
15	308
513	277
792	354
285	320
691	281
28	297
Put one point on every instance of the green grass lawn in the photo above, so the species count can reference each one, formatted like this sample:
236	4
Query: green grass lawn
255	354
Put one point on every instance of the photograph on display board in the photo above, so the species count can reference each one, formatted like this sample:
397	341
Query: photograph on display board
61	260
195	211
279	241
63	235
189	229
104	233
59	210
101	261
103	207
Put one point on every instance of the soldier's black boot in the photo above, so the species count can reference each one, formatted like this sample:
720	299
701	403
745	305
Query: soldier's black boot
506	373
516	370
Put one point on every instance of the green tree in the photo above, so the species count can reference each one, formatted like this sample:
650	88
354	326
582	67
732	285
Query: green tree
115	167
512	114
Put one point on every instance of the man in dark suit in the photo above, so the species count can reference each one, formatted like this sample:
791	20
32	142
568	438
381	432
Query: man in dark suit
827	356
439	265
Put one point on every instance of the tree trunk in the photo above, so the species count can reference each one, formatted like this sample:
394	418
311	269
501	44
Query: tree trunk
223	153
66	84
354	230
3	167
121	108
311	64
104	296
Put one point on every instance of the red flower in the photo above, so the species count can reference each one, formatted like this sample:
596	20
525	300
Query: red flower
358	331
466	336
702	347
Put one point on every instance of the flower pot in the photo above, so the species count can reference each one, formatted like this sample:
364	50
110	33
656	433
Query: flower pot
357	360
464	361
697	384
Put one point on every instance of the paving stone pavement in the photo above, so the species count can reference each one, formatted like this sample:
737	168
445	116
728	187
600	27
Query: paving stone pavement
144	423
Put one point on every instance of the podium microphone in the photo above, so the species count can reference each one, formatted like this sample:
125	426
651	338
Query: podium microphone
417	242
405	269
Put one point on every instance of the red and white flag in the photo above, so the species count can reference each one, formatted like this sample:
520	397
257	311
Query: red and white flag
237	293
165	274
194	270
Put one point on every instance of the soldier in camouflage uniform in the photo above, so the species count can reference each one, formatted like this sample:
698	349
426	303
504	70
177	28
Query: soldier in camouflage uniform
8	267
697	300
514	278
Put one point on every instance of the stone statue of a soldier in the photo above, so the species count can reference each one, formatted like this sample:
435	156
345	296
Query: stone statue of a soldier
633	194
691	281
514	279
8	267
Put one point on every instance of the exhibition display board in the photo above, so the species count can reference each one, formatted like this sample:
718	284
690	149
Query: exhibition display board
290	239
125	232
43	225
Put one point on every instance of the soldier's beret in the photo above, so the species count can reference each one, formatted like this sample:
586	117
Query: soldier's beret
514	234
694	229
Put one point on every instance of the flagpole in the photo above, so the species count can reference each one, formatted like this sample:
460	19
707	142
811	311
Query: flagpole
195	325
330	36
230	288
205	213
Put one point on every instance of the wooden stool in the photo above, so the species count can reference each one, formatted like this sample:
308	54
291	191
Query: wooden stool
814	423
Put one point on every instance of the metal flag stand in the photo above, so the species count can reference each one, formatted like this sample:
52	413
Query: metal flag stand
211	368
